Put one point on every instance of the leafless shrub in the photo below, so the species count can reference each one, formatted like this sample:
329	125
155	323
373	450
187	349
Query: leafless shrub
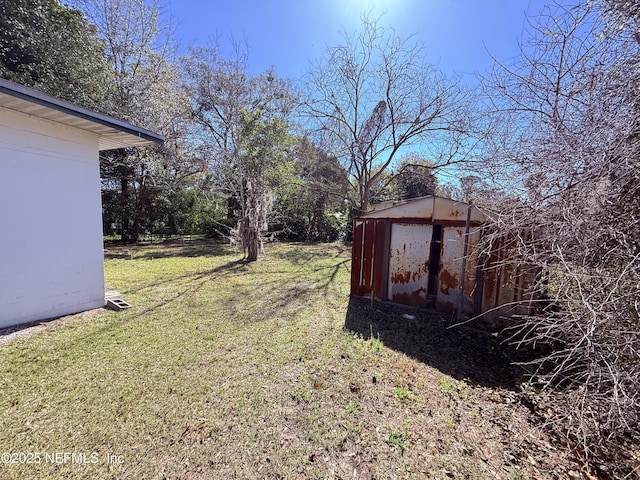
570	121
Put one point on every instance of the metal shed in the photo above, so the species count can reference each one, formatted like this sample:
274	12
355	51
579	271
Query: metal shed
424	253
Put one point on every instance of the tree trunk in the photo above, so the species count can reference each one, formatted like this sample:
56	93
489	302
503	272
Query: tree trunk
140	207
124	201
252	241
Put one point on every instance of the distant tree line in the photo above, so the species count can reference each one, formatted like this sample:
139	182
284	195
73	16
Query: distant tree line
237	161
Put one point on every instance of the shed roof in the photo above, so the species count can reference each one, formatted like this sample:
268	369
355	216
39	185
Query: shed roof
112	133
432	208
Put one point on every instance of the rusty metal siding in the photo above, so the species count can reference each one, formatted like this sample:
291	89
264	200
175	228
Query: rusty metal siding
393	250
357	247
380	259
390	259
492	277
508	284
472	262
448	294
409	263
368	253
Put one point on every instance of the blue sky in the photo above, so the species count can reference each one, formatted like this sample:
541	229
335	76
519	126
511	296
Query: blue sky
289	34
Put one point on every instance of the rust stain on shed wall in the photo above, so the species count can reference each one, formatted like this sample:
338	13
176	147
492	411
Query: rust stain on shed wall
408	263
400	277
447	281
414	299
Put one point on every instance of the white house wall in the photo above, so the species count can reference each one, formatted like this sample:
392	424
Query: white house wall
51	257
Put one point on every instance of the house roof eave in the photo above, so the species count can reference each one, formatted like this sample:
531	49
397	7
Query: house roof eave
113	133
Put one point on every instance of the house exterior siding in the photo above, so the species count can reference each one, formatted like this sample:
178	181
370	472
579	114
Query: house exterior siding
51	254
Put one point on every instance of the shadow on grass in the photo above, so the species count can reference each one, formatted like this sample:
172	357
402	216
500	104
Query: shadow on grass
331	272
282	293
461	352
195	282
277	293
196	247
300	254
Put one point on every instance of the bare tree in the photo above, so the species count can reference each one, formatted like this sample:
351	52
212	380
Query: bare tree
243	133
139	49
144	89
570	144
373	96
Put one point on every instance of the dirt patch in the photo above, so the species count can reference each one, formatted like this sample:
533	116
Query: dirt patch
25	330
488	411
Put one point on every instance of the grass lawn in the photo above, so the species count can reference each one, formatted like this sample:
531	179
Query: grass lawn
229	370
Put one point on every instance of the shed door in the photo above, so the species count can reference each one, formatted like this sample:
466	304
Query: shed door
409	263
